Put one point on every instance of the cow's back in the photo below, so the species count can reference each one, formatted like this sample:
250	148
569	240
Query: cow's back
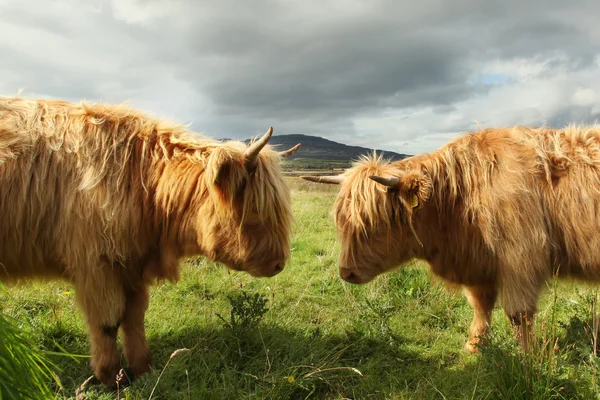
542	210
65	193
572	199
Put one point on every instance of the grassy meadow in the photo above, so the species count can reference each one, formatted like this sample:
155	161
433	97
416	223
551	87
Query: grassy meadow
306	334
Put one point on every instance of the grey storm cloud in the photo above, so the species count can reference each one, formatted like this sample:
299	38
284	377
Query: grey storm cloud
410	74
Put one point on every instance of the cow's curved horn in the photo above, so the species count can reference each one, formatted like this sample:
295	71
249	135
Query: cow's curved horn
391	181
251	153
290	152
335	179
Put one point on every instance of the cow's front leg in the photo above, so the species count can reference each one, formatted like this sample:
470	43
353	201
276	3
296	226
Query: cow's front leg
102	298
482	298
136	346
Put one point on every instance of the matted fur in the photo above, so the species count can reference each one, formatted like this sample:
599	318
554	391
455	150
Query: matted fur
110	199
499	211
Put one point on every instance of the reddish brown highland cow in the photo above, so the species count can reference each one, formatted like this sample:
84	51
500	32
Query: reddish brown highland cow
111	199
499	211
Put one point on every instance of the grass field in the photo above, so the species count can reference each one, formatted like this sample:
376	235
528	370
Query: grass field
311	164
307	334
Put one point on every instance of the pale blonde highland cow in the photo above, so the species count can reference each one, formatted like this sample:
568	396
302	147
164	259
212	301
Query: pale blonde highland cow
110	199
499	211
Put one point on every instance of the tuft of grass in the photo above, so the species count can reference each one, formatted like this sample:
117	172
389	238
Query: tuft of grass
246	312
540	374
25	371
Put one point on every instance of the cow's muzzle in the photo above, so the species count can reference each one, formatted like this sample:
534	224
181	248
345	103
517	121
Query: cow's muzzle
347	274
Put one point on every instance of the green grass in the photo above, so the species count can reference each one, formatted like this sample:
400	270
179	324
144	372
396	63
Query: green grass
25	371
308	334
314	163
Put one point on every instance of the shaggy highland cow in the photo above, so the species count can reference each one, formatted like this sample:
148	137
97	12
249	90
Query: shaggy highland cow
499	211
110	200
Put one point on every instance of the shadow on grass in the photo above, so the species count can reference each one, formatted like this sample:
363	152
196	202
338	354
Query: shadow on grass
370	359
273	362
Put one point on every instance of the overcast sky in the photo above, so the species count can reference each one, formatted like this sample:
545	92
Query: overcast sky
400	75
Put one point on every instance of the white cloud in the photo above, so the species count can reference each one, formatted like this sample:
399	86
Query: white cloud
531	98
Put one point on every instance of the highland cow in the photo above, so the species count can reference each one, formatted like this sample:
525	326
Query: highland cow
111	200
498	211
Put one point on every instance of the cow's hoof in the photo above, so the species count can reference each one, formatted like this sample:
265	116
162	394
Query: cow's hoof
471	347
115	377
140	367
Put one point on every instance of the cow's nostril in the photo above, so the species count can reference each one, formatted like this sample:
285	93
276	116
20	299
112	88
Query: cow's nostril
350	276
278	268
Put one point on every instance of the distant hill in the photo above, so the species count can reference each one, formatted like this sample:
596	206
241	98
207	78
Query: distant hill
319	152
316	147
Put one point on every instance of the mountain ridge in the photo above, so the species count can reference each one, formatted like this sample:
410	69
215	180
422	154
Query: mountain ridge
319	148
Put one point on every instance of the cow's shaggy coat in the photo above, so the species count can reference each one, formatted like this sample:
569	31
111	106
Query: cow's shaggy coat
499	211
111	199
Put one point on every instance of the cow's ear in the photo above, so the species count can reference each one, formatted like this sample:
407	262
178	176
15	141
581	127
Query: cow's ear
416	186
223	174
